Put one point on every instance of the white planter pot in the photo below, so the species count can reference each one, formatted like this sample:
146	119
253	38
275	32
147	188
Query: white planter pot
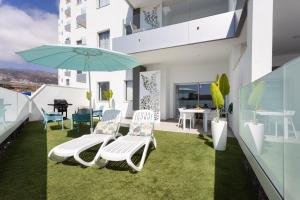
219	134
257	133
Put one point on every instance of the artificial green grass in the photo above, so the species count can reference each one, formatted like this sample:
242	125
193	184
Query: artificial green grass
184	166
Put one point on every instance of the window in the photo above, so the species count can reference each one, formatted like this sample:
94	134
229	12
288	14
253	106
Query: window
104	40
67	82
129	91
193	95
79	2
103	86
79	72
67	41
103	3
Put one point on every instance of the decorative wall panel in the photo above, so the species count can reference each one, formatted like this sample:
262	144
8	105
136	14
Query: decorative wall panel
150	92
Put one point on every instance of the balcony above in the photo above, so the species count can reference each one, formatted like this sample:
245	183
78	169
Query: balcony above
68	12
81	20
68	41
142	3
68	27
81	78
173	23
67	73
216	27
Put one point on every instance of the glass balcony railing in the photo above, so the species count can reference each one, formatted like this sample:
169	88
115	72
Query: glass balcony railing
67	73
81	20
68	12
14	109
81	78
68	27
171	12
270	124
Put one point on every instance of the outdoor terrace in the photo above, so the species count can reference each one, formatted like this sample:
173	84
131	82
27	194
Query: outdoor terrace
184	166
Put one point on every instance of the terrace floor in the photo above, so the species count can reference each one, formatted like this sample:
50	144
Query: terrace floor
184	166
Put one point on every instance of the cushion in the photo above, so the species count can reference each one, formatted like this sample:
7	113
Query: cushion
106	127
141	129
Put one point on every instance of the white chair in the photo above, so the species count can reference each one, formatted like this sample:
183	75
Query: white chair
288	115
134	28
140	134
188	116
105	131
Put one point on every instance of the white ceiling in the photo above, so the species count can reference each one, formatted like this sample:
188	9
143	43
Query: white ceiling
286	26
143	3
215	51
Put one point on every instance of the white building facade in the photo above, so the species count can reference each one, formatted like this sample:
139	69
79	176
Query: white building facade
182	46
187	42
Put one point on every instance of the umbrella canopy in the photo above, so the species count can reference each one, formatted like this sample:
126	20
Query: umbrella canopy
79	58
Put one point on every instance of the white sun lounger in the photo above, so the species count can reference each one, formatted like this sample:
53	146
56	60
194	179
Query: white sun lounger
140	134
106	130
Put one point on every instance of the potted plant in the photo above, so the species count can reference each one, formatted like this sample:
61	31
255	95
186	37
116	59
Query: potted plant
88	95
256	129
108	95
219	90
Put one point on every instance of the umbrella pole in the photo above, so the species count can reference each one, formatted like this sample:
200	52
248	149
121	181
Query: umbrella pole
91	109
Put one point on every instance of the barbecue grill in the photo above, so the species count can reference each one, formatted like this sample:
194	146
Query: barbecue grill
61	106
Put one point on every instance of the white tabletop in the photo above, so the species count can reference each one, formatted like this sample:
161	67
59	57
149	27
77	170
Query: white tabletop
194	110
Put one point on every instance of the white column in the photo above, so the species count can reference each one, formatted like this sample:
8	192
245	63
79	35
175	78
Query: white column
260	37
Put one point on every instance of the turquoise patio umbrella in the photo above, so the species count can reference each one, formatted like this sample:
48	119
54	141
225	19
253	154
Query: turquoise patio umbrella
79	58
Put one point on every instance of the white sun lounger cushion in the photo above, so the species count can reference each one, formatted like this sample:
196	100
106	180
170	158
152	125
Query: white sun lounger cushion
106	127
141	129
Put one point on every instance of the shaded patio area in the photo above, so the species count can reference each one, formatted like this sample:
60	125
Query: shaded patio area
184	166
171	126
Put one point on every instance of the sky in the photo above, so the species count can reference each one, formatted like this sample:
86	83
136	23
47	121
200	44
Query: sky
26	24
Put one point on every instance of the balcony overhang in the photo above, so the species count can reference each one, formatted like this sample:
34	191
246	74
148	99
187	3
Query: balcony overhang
142	3
217	51
81	78
217	27
68	12
68	27
81	20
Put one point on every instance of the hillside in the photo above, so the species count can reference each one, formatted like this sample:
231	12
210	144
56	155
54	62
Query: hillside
27	76
25	80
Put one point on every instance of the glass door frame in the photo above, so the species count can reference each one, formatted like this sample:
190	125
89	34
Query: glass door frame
182	84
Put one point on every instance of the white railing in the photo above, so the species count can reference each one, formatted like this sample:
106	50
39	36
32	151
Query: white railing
210	28
14	110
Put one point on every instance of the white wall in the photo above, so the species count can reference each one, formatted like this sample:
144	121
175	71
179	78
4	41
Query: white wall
252	58
117	85
260	37
177	74
73	79
46	95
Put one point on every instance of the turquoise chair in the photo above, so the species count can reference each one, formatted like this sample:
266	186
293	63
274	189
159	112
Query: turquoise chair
54	117
98	113
81	116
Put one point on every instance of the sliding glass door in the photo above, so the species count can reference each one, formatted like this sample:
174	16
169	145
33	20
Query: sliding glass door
193	95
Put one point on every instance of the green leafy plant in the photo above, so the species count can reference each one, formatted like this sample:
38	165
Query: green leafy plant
219	90
108	95
88	95
255	97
